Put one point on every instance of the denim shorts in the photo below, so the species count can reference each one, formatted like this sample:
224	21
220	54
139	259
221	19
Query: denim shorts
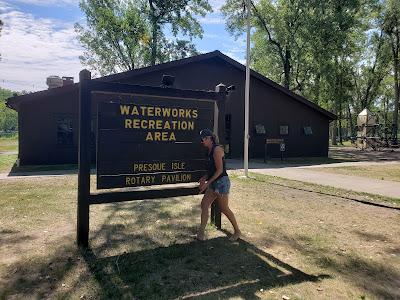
221	185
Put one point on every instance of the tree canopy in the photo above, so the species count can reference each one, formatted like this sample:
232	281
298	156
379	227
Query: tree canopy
340	54
8	117
121	35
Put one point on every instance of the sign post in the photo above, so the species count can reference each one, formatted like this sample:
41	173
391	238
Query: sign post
221	90
269	141
83	160
147	138
282	148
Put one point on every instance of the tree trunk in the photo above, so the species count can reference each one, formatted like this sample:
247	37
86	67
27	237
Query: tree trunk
340	123
334	128
395	51
395	113
286	68
385	119
350	121
334	133
340	108
317	88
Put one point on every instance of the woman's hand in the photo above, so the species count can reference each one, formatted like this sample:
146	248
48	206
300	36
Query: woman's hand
203	186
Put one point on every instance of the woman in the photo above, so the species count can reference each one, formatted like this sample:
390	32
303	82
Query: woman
216	184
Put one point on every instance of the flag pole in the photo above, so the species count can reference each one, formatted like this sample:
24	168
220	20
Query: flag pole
247	96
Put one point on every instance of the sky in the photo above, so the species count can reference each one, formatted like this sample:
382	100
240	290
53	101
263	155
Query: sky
38	40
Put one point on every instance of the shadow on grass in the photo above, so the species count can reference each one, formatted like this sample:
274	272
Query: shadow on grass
129	262
214	268
45	169
355	154
10	237
40	277
30	170
379	279
367	236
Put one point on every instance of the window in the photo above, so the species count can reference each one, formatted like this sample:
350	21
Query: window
260	129
308	130
64	131
284	130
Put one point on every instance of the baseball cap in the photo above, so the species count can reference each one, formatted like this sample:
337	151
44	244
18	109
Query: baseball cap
206	132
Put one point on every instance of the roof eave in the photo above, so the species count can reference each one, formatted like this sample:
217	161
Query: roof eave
14	102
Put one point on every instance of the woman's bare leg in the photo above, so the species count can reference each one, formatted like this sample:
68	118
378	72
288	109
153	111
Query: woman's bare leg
206	202
224	206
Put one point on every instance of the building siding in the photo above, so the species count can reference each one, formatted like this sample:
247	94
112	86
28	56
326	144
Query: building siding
268	106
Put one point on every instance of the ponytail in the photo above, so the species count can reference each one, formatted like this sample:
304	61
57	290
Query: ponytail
215	139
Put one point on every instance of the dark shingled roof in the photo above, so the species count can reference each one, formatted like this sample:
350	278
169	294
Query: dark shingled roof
14	102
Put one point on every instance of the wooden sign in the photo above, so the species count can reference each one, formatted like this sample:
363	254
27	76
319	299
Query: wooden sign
146	136
274	141
148	140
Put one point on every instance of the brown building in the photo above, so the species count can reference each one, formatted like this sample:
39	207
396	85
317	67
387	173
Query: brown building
48	120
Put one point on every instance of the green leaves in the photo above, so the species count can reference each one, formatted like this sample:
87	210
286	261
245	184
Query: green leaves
122	35
332	52
8	117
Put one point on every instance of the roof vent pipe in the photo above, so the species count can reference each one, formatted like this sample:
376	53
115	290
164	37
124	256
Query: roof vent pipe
54	82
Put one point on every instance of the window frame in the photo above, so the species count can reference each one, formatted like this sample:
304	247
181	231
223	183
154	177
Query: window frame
67	118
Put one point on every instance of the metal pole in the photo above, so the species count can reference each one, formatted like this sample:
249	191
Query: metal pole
247	96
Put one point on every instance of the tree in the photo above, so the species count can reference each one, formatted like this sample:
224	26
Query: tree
173	50
116	37
277	42
391	27
179	14
310	47
8	117
122	35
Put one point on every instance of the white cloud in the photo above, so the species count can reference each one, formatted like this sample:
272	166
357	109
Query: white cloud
34	48
4	6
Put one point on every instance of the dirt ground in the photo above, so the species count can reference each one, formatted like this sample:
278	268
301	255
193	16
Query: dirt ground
298	244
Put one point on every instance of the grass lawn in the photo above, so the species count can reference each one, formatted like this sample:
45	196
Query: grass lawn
6	162
297	242
383	172
8	144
